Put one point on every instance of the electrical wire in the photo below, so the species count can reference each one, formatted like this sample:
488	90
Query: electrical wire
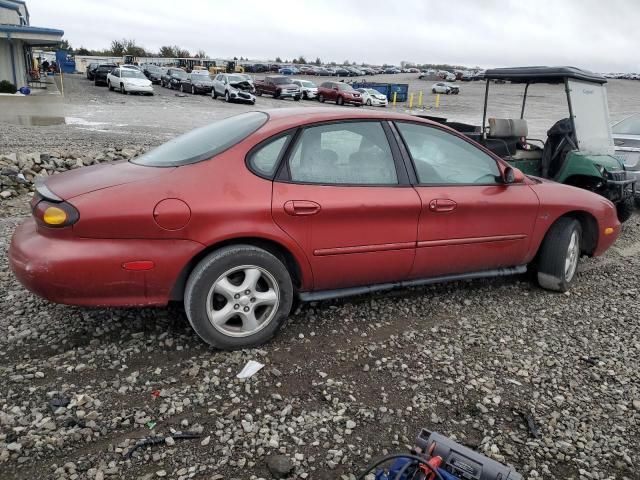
422	461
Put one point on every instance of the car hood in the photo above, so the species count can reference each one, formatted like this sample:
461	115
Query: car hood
97	177
244	85
626	140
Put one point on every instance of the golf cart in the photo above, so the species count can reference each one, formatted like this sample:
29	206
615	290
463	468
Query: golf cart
578	150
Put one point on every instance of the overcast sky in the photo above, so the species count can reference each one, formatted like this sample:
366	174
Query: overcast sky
594	34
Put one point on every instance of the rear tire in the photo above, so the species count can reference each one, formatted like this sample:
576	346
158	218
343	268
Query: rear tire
181	88
369	102
214	94
321	98
625	209
193	90
559	255
433	90
211	289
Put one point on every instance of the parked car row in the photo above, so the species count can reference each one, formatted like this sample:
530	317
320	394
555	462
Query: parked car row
124	78
232	87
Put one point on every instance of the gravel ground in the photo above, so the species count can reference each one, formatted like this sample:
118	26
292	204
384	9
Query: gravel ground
546	382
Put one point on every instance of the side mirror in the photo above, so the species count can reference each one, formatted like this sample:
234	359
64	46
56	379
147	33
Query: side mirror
336	88
512	175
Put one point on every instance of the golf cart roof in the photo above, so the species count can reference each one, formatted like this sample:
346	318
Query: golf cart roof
542	75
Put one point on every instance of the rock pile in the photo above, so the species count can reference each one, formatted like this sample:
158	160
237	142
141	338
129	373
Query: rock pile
19	171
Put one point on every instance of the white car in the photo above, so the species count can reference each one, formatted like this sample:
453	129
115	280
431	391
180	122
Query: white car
309	89
129	80
446	88
373	97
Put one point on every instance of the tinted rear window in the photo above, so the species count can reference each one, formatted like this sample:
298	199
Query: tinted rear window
205	142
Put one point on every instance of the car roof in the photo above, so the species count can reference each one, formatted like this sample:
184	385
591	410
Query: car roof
284	118
543	74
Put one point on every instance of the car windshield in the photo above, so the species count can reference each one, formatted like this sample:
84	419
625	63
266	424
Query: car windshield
344	86
153	68
179	73
106	68
235	78
203	143
281	81
131	73
200	76
308	84
628	126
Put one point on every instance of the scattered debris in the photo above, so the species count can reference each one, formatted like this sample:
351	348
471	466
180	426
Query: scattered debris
250	369
534	430
160	439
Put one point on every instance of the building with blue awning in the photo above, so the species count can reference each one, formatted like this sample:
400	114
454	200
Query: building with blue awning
17	38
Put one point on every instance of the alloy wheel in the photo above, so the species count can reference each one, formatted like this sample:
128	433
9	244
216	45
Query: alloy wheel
573	254
243	301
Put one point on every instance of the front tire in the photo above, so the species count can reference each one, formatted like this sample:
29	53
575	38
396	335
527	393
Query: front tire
122	89
339	100
559	255
321	98
193	90
433	90
214	94
238	297
227	97
625	209
109	86
369	102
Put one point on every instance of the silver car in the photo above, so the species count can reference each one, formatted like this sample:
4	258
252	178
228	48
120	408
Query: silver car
626	138
309	89
234	88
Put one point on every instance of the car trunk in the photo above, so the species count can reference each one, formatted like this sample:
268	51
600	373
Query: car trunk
96	177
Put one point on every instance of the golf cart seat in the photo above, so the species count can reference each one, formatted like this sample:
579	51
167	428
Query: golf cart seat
561	139
504	135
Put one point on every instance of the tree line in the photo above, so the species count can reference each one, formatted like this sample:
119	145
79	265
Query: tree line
126	46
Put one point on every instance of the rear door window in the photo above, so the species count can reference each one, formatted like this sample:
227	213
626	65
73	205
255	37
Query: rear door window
349	153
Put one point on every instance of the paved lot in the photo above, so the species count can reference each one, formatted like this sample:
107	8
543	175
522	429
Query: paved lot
546	382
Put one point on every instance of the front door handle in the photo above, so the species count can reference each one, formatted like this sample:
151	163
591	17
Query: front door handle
442	205
301	207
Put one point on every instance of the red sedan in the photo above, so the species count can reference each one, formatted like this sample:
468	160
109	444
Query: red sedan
240	217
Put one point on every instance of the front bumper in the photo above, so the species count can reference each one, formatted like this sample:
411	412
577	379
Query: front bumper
88	271
354	100
203	88
290	94
139	88
376	102
621	184
310	94
241	96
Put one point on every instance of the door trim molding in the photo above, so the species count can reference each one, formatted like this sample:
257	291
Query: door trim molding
384	247
470	240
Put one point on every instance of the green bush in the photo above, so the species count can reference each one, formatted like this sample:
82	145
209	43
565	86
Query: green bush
7	87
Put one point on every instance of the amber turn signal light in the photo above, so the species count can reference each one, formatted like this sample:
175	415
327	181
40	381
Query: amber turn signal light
56	215
608	230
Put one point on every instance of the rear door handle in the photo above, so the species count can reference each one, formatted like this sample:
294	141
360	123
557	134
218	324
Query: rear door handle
301	207
442	205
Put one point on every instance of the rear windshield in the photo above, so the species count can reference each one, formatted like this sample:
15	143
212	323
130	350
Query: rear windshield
203	143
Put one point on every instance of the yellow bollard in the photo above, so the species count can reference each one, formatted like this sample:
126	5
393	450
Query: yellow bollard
395	97
437	100
411	100
420	99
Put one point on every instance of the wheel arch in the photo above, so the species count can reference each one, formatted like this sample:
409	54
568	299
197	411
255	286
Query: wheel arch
277	249
589	226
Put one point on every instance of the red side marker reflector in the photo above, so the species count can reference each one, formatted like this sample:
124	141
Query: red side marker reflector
138	265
